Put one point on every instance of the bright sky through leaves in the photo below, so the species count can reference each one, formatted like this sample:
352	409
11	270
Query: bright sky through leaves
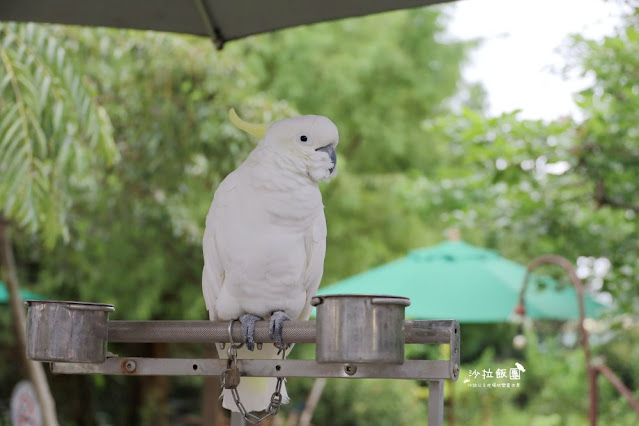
518	62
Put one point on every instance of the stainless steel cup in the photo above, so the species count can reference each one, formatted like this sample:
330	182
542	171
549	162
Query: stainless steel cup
360	328
67	331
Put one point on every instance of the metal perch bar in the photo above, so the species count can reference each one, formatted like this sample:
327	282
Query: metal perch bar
428	332
424	332
54	337
409	370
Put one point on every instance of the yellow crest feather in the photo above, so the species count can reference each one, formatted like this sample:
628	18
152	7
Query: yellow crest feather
257	130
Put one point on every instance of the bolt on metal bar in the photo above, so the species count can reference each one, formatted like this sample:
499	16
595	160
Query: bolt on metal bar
428	331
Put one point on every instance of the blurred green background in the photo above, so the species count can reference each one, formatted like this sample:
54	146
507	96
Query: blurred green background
112	143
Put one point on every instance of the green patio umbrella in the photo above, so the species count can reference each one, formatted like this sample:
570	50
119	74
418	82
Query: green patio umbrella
459	281
4	294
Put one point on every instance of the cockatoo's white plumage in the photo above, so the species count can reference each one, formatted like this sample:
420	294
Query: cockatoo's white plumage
265	236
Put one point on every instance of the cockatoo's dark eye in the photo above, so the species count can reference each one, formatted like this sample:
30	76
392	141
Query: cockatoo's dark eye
303	138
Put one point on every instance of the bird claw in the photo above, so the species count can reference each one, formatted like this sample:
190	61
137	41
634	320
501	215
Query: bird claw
248	329
276	326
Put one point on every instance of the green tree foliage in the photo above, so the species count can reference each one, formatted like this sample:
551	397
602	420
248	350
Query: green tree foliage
52	131
182	145
408	167
569	187
136	243
529	187
553	390
146	226
378	78
52	135
396	403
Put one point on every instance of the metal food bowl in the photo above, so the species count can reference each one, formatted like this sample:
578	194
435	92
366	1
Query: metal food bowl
356	328
67	331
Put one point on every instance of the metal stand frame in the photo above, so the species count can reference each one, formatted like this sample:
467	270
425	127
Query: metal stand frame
415	332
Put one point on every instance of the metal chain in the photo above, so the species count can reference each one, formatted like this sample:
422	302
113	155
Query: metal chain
276	398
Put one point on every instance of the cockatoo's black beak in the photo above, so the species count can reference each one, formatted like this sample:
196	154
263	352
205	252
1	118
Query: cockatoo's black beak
331	153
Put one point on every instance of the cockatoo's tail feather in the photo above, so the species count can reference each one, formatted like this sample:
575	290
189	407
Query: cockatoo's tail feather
255	392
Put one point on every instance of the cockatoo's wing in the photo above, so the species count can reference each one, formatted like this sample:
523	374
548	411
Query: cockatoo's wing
315	251
255	392
213	273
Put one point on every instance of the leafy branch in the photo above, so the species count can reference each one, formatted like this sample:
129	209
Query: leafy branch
52	131
603	199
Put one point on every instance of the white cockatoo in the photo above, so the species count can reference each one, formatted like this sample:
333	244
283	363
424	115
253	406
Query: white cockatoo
265	238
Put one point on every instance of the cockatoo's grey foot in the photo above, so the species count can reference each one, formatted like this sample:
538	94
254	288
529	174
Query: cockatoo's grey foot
248	329
276	325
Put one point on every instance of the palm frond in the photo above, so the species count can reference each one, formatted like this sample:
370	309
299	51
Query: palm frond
51	128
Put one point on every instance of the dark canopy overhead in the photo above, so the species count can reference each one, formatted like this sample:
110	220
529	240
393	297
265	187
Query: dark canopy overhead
222	20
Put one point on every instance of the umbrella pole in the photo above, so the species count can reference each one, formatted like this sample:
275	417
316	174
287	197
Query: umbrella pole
436	403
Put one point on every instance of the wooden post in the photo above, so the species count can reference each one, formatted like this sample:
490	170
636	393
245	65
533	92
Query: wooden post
312	401
34	369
